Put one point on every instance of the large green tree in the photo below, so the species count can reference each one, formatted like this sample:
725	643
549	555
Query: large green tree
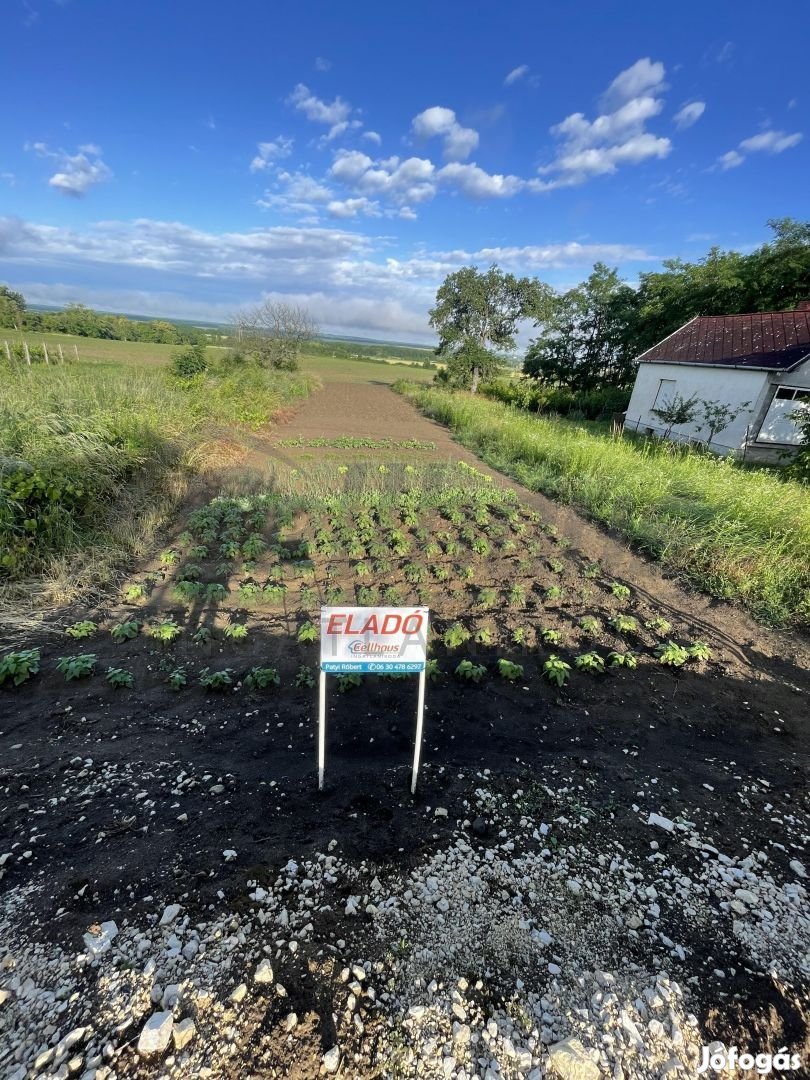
476	317
12	308
586	338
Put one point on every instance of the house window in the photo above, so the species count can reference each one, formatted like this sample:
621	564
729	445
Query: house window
779	425
665	394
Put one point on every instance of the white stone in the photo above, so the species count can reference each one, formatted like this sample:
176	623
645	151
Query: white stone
170	913
798	868
238	994
569	1061
156	1033
290	1021
264	972
184	1032
747	897
661	822
331	1059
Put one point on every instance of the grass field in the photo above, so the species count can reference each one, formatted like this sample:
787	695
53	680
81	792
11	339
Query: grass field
742	535
147	355
96	453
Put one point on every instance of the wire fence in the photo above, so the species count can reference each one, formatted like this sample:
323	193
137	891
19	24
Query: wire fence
694	441
22	353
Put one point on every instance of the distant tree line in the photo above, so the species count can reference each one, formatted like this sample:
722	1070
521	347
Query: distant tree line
590	336
84	322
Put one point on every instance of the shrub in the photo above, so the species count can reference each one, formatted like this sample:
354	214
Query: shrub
699	650
589	661
166	631
625	659
188	362
455	636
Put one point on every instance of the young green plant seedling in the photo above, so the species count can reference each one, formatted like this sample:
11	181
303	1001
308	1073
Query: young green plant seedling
304	677
80	630
235	632
699	650
455	636
621	592
118	678
553	592
433	671
622	659
249	592
202	635
216	680
556	671
517	596
308	632
19	666
177	678
672	655
199	551
550	637
362	569
487	598
77	667
589	661
484	636
190	572
165	631
259	678
520	635
659	625
509	671
350	681
125	631
170	557
590	625
625	624
188	591
555	566
134	592
470	672
215	592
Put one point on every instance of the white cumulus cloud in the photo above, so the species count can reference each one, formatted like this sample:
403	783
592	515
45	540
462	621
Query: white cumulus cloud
75	173
267	153
335	114
437	121
616	137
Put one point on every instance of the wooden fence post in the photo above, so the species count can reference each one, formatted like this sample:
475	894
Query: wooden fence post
76	351
8	351
27	353
61	354
45	353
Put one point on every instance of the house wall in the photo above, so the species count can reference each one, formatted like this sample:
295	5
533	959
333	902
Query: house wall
731	386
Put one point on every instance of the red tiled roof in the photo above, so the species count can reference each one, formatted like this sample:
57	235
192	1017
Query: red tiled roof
776	340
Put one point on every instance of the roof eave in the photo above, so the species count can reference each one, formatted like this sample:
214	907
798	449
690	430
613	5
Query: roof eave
737	367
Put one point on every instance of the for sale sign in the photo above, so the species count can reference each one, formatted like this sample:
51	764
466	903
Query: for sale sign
382	640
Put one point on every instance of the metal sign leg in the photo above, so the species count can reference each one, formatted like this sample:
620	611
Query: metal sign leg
321	729
420	716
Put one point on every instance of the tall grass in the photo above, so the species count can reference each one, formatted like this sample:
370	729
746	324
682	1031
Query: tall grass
91	455
738	534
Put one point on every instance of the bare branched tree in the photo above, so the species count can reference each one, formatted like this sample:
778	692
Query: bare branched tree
274	332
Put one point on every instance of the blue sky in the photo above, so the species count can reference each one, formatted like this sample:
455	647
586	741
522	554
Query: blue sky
181	159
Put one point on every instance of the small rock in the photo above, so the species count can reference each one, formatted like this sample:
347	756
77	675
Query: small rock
169	914
331	1059
798	868
569	1060
156	1033
184	1032
239	993
290	1021
264	972
661	822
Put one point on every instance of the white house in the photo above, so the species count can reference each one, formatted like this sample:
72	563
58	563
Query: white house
762	359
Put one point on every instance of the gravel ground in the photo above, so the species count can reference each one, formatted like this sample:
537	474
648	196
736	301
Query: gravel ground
532	941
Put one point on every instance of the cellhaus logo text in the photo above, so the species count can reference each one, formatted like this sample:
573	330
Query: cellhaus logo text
716	1058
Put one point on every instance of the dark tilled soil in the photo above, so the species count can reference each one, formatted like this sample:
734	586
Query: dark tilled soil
94	782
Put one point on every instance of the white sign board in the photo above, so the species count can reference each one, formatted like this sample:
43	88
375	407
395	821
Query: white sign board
375	640
369	639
